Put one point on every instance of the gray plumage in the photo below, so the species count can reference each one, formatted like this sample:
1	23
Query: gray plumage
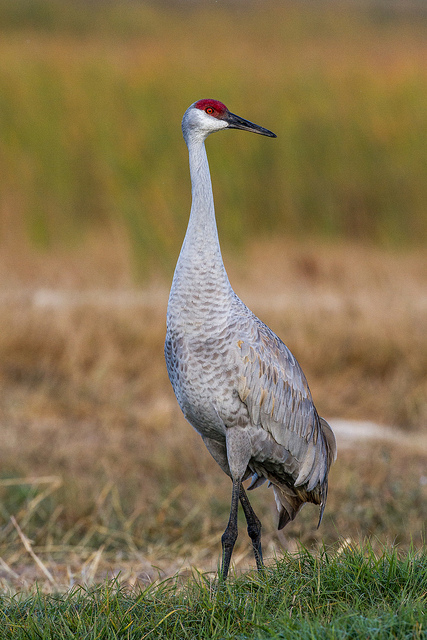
236	382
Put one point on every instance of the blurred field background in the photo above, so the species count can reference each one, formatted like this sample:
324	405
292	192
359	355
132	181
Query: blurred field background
324	236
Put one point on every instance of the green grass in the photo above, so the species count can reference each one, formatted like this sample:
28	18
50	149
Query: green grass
351	593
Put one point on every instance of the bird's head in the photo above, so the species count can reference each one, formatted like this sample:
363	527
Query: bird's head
207	116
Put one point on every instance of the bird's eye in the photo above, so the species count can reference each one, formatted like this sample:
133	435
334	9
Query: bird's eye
209	110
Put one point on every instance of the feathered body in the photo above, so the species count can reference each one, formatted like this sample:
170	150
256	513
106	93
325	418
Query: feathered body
236	382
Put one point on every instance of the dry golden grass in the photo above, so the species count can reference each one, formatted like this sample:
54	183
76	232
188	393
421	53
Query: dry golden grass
356	317
85	400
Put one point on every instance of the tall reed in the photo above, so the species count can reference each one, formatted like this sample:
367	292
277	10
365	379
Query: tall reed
91	100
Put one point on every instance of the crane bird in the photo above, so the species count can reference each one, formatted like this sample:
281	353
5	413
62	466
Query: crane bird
236	382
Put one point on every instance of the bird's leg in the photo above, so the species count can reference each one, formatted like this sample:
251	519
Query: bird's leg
229	536
254	528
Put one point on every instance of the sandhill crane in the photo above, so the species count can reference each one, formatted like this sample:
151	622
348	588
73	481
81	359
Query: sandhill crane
236	382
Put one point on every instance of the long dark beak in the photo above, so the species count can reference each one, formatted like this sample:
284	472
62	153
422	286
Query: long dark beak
236	122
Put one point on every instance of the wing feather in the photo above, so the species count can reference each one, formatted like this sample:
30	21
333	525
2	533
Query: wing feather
278	399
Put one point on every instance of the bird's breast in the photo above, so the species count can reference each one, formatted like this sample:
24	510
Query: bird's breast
204	372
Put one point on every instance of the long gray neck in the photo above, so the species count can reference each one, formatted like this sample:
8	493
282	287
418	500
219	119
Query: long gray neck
200	274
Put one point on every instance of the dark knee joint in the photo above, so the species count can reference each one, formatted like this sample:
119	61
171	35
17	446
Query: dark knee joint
229	538
254	530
